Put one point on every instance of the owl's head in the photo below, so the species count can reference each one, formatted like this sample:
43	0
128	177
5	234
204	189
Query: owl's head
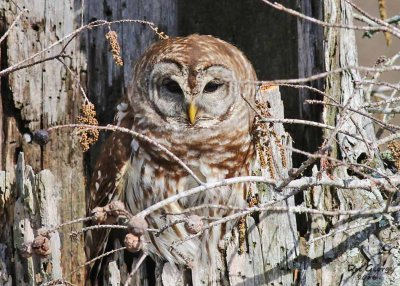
195	81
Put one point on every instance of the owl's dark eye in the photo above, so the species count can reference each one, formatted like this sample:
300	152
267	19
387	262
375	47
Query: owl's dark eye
212	86
172	86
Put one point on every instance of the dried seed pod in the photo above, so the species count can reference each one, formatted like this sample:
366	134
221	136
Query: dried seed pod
41	245
193	224
394	148
112	38
115	208
99	215
132	243
137	225
41	137
88	116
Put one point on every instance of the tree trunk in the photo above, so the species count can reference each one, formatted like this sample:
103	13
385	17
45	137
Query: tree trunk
367	254
32	98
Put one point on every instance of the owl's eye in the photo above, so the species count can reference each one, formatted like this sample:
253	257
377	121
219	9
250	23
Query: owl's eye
212	86
172	86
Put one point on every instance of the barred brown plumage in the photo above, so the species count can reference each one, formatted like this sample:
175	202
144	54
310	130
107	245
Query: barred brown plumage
186	94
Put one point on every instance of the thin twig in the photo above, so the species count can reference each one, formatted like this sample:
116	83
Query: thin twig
102	226
389	138
383	28
97	258
137	135
322	75
294	209
381	23
82	219
13	24
310	123
76	79
381	102
336	231
385	110
299	183
24	63
385	125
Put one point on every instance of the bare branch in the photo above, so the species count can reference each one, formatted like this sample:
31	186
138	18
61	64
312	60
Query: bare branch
298	184
12	25
26	62
384	28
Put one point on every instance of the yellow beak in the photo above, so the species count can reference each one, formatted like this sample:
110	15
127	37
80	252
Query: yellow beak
192	111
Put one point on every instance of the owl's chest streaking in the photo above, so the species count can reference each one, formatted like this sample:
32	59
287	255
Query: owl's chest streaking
153	176
211	154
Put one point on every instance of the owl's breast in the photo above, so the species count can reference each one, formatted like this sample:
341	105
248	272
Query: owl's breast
152	176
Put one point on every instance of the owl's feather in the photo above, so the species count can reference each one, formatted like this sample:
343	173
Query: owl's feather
108	182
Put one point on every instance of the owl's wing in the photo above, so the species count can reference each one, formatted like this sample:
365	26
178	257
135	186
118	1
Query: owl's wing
107	183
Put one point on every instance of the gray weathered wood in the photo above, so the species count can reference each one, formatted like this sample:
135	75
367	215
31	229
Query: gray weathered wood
356	256
278	231
5	270
38	97
36	196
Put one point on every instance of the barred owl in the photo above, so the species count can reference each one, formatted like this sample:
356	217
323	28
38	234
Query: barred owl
191	95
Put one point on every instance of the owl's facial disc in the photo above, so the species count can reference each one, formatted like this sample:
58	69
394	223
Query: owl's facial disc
217	93
165	90
204	101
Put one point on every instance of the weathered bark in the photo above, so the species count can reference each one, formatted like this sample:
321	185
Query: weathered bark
38	97
366	255
278	231
36	196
